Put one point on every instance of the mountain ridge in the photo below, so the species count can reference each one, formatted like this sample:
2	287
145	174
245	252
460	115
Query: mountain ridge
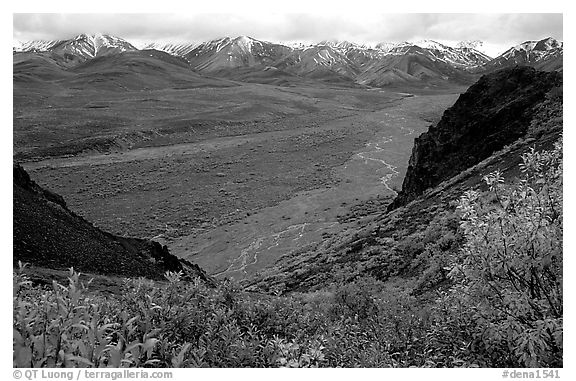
423	62
530	53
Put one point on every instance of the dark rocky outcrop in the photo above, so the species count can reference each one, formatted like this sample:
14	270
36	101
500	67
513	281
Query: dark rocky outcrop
48	234
494	112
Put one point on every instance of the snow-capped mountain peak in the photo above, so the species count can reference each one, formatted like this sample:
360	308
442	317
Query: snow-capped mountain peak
430	44
342	45
548	44
526	46
544	44
34	46
385	46
17	45
176	49
436	51
245	43
93	44
470	44
297	45
241	51
532	52
534	49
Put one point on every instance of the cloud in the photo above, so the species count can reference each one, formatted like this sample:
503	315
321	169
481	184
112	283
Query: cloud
497	30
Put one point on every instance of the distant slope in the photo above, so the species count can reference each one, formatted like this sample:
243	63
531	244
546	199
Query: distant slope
36	67
126	70
46	233
552	63
359	55
411	66
142	69
462	57
268	75
175	49
34	45
321	62
494	112
227	53
545	54
84	47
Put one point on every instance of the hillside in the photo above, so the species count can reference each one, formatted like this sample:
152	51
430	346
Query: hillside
36	67
529	53
493	113
411	66
48	234
226	53
115	71
144	69
315	61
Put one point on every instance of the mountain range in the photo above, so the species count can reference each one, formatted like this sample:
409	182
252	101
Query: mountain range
247	59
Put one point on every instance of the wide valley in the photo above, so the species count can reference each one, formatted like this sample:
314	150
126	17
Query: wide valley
230	178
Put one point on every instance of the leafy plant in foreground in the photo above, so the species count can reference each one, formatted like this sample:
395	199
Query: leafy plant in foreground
511	266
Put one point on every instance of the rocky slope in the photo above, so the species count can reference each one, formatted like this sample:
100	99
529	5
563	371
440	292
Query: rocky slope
535	53
464	56
48	234
179	50
494	112
411	66
81	48
34	45
318	62
238	52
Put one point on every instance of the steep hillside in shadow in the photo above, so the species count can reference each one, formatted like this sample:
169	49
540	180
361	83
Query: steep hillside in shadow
493	113
48	234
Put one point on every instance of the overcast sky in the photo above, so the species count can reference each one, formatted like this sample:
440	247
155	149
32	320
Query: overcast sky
497	31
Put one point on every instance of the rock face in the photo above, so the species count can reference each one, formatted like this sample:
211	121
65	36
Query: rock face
47	234
494	112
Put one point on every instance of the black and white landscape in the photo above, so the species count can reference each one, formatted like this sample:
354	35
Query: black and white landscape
247	203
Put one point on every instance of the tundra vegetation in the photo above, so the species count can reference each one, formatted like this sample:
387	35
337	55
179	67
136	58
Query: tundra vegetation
499	304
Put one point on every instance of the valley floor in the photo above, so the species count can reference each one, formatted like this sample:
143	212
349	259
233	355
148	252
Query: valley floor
302	221
235	201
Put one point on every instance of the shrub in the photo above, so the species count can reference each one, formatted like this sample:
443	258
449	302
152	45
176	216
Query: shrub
510	269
